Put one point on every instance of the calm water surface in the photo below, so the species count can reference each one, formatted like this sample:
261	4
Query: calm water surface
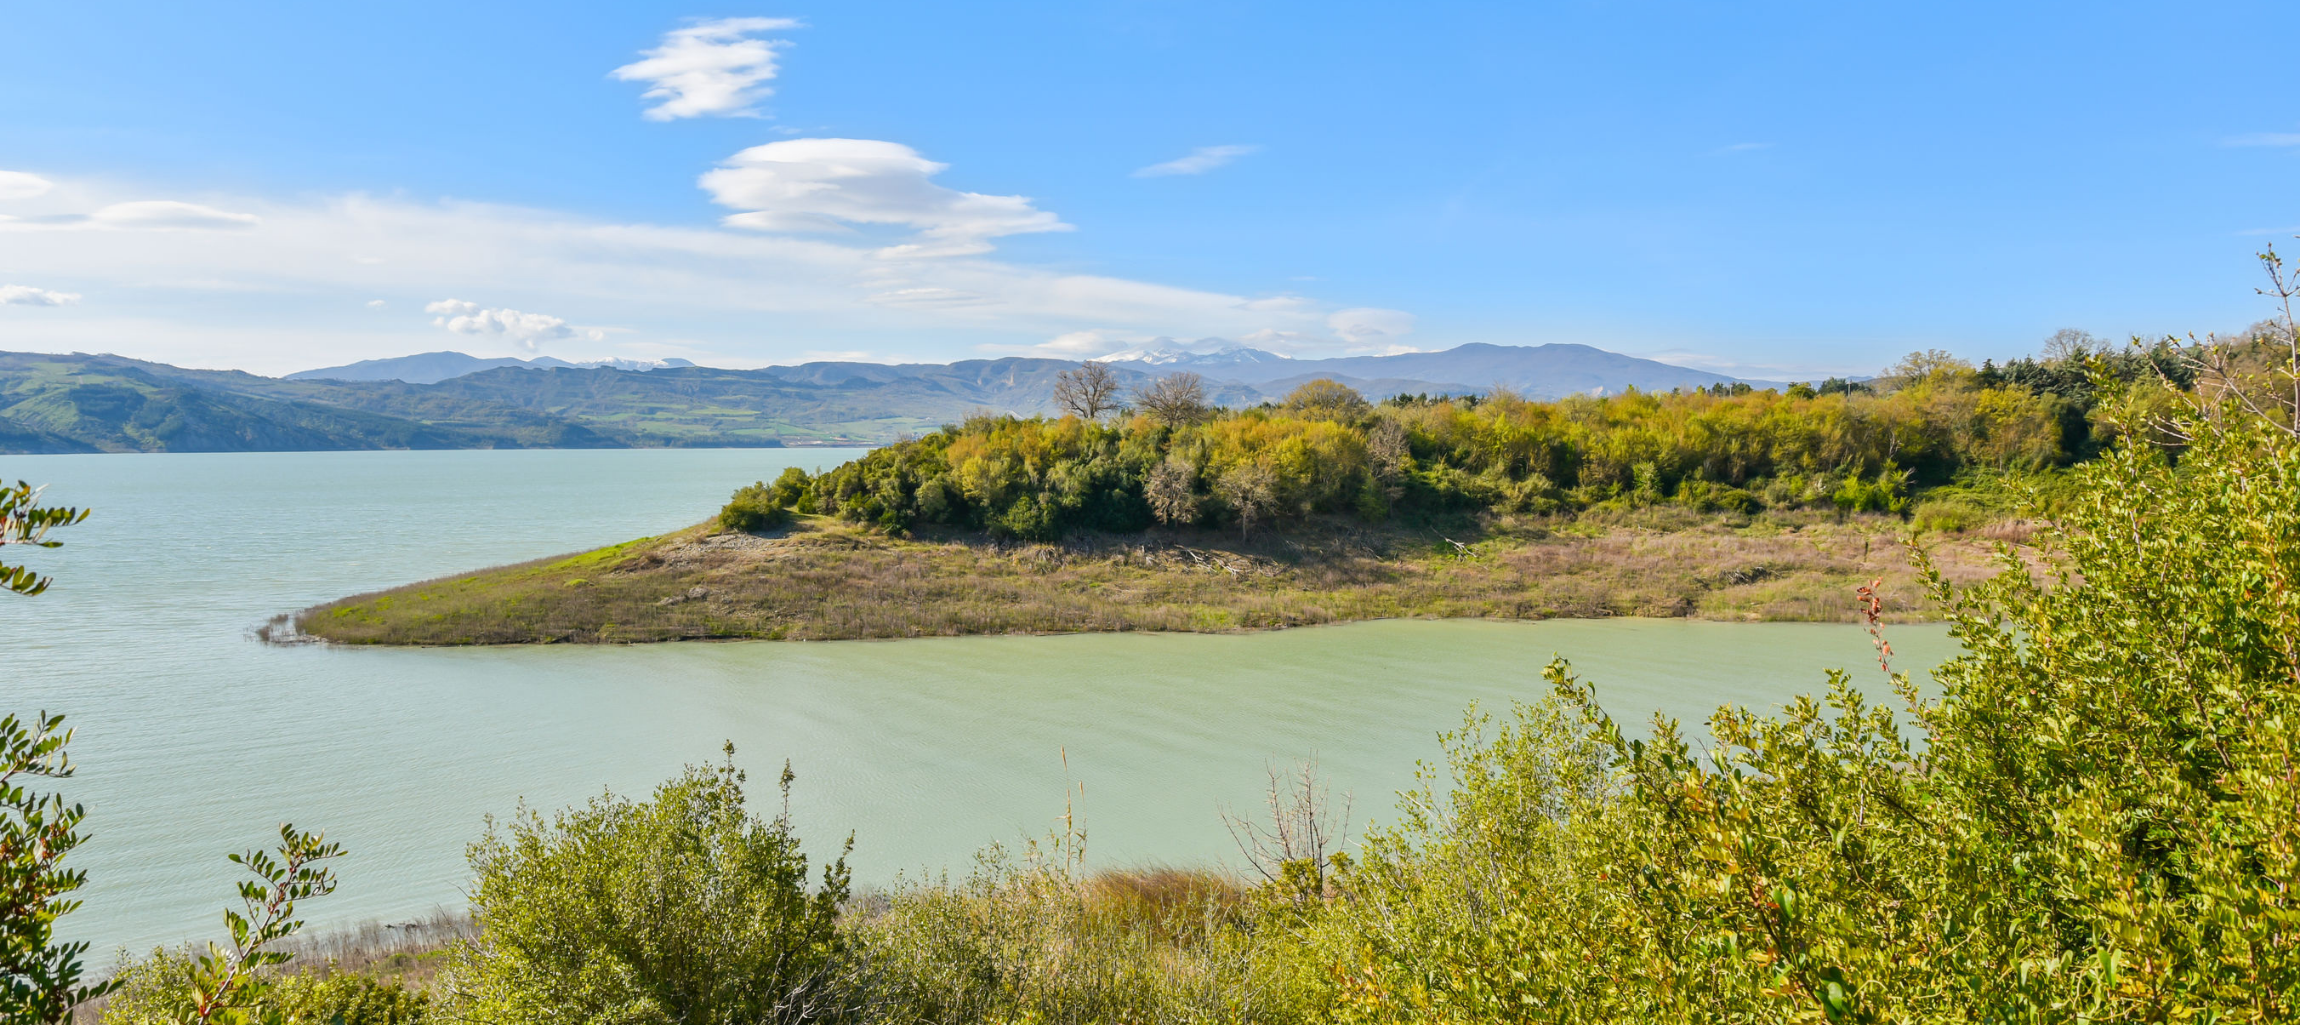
195	740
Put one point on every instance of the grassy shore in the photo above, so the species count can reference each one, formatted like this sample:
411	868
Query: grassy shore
824	580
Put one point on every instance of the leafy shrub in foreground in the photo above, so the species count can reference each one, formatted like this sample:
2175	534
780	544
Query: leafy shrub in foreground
152	989
2101	824
683	908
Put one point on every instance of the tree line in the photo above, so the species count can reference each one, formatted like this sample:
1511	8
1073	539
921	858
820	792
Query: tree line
1164	455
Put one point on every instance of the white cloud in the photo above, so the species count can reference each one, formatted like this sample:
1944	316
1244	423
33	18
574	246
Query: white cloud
1274	340
1087	344
2264	139
139	215
527	330
927	298
22	185
169	214
26	295
1365	326
826	185
375	304
711	68
267	297
1200	161
1277	303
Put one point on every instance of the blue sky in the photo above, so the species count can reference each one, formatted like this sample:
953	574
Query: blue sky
1774	189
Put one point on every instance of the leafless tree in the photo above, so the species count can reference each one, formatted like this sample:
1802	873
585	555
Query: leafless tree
1251	489
1386	450
2070	343
2258	370
1087	392
1174	400
1172	491
1300	848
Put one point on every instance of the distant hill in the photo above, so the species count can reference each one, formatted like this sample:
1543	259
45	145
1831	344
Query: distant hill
1538	371
84	403
434	367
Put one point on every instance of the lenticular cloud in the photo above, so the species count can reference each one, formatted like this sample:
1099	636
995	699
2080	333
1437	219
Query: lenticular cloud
829	184
713	68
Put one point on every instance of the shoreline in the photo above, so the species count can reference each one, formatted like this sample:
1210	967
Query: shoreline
823	580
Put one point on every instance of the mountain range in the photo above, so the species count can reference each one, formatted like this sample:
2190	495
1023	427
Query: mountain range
434	367
102	403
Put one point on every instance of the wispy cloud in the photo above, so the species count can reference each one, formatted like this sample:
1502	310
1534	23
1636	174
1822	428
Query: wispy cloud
23	185
137	215
1370	328
1200	161
2263	139
815	185
734	296
26	295
709	69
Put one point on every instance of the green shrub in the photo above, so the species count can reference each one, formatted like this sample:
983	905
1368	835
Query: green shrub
685	908
755	507
2094	820
1950	515
155	991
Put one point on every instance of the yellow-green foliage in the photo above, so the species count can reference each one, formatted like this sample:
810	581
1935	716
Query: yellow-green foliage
683	908
156	991
2102	822
1330	451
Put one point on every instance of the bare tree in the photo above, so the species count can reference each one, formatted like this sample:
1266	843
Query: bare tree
2250	369
1172	491
1387	450
1252	490
2070	343
1174	400
1300	848
1087	392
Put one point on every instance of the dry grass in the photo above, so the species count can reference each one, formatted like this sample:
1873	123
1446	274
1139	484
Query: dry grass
821	580
409	953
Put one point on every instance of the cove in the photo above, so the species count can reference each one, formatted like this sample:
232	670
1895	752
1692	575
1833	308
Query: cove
196	741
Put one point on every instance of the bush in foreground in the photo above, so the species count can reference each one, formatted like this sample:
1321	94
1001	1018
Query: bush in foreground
2097	819
684	908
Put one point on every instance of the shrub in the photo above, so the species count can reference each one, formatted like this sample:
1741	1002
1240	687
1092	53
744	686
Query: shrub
1951	515
153	993
685	908
755	507
2094	822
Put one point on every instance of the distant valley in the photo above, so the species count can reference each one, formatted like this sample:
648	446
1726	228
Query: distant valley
101	403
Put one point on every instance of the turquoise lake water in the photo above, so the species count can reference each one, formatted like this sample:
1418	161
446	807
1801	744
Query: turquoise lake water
195	740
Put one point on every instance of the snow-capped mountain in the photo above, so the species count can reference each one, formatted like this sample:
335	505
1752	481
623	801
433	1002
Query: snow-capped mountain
1184	359
434	367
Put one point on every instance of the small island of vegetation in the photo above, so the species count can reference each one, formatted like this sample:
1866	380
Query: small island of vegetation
1170	514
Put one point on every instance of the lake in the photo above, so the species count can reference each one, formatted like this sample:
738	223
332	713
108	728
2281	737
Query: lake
195	740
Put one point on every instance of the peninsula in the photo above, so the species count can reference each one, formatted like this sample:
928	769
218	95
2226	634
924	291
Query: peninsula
1722	502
